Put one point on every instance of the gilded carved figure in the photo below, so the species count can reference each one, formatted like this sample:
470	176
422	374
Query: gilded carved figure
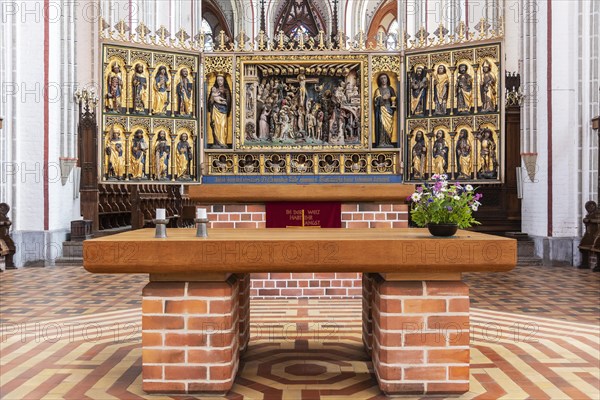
488	93
115	152
139	147
440	153
384	102
161	91
219	106
184	157
162	152
464	90
139	89
114	89
419	156
441	87
419	85
464	155
488	162
184	92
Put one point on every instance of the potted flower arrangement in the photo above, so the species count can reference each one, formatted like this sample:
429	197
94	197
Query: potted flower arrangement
443	207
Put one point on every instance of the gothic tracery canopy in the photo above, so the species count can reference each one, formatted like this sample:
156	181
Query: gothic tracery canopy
299	17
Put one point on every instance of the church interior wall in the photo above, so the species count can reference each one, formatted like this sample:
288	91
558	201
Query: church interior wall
589	99
564	118
534	123
575	84
512	31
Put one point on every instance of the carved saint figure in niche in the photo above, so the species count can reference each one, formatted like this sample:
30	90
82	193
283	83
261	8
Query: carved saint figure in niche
384	102
440	153
489	97
160	94
219	106
464	90
162	152
184	156
441	84
487	155
138	155
249	99
139	87
419	156
418	91
463	155
115	152
184	93
114	89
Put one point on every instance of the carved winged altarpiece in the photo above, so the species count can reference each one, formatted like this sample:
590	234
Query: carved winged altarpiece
303	109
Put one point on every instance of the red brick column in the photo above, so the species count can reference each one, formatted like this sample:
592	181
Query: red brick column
244	310
421	336
190	336
367	317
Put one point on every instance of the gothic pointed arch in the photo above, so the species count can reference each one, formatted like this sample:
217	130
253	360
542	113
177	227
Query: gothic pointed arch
299	16
384	20
217	18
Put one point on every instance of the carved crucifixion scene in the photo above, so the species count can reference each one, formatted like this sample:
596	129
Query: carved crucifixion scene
299	104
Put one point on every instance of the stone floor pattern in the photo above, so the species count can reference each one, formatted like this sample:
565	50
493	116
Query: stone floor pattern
69	334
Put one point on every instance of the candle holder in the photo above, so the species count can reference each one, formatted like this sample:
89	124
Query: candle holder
161	228
201	227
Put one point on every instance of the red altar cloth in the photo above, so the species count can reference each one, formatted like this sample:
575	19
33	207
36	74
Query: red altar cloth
304	214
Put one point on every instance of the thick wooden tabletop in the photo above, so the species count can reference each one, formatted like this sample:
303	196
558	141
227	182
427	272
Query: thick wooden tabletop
298	250
215	193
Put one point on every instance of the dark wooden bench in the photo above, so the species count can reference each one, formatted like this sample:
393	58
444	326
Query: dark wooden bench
7	245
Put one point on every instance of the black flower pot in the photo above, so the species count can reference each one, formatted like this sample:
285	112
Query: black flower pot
442	229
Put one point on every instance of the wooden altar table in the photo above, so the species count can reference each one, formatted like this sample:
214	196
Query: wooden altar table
195	310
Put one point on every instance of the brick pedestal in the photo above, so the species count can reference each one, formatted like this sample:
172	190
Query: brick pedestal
367	317
244	311
420	336
191	335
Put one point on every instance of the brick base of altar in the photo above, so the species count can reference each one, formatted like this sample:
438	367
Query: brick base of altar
313	284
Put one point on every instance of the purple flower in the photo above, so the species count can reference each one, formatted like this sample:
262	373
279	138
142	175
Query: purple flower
419	189
449	208
430	200
478	196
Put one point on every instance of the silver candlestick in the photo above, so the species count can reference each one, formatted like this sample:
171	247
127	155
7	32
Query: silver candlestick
201	227
161	228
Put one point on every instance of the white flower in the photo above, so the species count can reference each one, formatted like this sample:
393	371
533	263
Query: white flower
440	195
469	188
456	197
444	176
444	189
416	197
474	207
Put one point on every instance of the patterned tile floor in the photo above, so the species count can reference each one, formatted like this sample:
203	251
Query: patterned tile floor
69	334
